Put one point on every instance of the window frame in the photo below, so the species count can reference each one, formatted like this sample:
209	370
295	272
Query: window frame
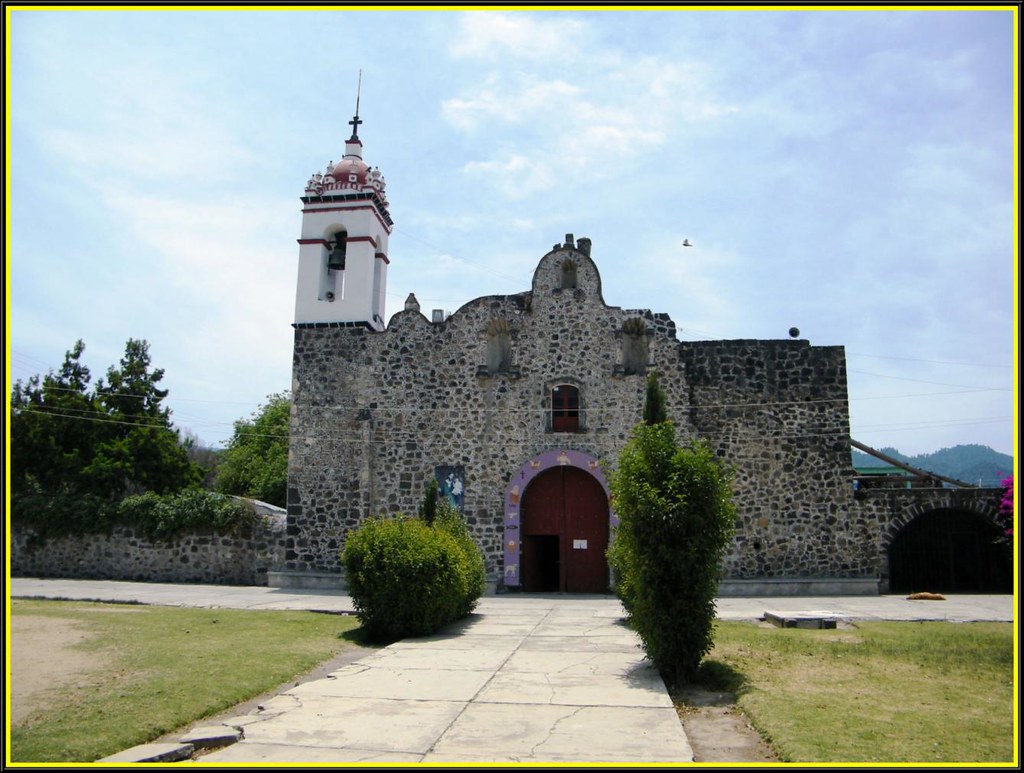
564	406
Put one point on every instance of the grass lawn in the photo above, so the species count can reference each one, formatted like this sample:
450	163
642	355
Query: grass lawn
873	692
161	668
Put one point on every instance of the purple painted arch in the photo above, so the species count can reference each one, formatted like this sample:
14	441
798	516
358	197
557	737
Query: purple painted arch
517	487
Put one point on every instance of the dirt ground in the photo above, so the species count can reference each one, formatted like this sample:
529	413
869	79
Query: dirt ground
44	660
717	731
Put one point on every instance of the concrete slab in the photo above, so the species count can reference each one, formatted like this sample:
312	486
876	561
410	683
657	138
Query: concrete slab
212	736
292	753
493	643
812	620
438	657
380	725
153	752
361	681
582	627
625	642
496	627
576	663
504	733
642	687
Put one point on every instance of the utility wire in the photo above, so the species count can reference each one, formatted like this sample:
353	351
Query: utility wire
405	436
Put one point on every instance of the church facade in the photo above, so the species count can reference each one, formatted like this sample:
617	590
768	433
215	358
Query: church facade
520	404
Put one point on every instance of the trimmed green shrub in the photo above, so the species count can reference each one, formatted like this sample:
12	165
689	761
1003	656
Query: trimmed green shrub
410	578
448	520
676	519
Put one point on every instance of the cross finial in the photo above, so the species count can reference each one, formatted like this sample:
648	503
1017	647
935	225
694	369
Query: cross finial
354	123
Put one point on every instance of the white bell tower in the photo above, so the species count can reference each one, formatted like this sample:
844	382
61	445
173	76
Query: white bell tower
343	249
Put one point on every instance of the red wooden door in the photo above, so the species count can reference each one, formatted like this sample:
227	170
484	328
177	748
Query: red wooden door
564	533
586	533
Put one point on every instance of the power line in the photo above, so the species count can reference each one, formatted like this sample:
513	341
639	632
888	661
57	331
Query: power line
935	383
568	439
933	362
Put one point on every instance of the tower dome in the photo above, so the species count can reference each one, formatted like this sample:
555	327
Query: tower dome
351	169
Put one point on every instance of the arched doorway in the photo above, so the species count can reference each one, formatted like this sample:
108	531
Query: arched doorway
950	551
564	528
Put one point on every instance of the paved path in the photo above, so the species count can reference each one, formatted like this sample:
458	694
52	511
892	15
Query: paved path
527	678
956	608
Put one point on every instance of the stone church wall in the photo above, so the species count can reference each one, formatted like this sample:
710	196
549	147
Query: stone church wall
375	413
777	412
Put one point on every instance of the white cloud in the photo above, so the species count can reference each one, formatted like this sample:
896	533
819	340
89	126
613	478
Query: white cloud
496	36
516	176
524	102
586	123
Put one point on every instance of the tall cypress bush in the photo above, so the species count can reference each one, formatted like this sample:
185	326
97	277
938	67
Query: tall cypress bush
676	519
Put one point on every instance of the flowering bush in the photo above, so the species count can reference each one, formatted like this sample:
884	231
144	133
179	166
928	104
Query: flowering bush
1006	504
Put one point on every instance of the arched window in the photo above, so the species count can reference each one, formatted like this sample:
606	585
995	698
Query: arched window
499	347
634	347
337	246
565	408
569	275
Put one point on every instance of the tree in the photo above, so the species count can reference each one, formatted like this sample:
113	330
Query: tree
52	429
131	390
255	463
676	519
427	510
76	452
655	410
206	457
141	450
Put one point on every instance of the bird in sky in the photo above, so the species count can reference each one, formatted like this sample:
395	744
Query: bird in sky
686	243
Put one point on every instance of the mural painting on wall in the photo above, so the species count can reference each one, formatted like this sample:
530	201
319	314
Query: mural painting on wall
450	484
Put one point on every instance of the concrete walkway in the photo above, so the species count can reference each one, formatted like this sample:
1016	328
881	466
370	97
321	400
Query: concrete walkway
527	678
545	680
956	608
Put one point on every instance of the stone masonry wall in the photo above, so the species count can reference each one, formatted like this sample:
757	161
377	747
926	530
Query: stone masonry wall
374	413
199	557
777	412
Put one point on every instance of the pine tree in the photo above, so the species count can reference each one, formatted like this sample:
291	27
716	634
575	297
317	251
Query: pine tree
655	410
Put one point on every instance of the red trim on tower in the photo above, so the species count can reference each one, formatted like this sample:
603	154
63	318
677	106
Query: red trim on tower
375	211
369	239
383	257
350	239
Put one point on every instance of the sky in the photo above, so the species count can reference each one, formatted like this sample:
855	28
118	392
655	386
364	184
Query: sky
846	172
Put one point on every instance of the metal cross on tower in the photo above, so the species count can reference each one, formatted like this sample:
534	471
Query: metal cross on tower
354	123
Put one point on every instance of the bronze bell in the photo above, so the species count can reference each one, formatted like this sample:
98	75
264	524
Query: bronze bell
336	260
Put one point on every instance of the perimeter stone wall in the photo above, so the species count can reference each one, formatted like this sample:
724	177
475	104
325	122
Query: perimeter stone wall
126	554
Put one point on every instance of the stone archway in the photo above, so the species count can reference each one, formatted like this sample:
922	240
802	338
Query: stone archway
561	541
949	550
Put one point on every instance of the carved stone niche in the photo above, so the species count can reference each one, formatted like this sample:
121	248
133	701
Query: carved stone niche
499	347
635	347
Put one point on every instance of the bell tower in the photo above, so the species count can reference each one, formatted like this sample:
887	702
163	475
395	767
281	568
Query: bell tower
343	249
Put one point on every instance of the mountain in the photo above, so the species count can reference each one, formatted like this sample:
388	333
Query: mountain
969	463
